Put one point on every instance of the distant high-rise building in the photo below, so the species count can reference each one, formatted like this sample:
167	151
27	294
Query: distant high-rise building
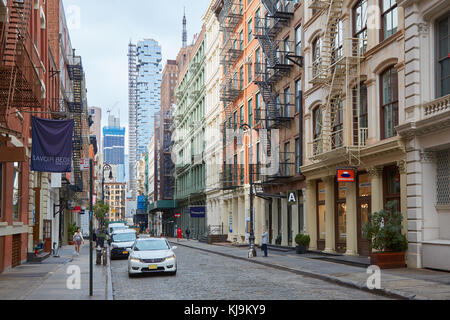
114	148
144	64
96	128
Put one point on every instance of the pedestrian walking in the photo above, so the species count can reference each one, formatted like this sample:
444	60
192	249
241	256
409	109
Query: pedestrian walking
179	234
265	236
188	233
78	240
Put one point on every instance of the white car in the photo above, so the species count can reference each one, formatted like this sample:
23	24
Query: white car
121	242
152	255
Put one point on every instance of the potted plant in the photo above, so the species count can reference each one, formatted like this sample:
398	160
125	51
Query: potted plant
302	241
72	228
384	232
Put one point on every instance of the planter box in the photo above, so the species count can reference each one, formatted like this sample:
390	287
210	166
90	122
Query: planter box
388	260
301	249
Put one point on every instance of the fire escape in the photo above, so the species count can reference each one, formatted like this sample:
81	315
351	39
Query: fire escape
230	16
280	59
76	109
21	70
337	70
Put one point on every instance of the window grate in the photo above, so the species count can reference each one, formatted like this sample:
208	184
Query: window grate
443	177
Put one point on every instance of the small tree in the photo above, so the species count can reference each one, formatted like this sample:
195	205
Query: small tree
384	230
100	211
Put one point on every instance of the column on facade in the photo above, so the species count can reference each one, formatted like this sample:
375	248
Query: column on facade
403	194
351	212
311	212
258	219
330	238
295	218
284	222
373	119
274	219
376	174
246	211
235	209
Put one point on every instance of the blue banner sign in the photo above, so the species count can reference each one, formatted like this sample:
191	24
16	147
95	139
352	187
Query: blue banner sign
141	203
198	212
52	145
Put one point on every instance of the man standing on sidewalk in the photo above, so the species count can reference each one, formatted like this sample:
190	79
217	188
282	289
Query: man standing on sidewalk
265	236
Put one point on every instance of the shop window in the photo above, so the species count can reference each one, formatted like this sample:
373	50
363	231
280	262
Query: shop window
342	211
365	185
443	177
321	210
391	176
16	190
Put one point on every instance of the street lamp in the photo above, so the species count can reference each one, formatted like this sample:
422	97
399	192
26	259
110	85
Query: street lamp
105	167
251	251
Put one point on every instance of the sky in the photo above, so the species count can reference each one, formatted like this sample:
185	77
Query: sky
101	30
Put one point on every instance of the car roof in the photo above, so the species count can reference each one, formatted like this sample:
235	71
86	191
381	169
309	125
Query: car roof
149	238
124	231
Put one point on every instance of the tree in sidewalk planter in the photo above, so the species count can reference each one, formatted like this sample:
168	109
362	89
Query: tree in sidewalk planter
302	241
72	228
384	232
100	211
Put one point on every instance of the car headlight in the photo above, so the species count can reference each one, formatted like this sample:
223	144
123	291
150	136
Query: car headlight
137	260
170	257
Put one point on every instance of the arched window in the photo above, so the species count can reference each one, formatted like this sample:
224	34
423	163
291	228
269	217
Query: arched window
316	47
389	102
317	130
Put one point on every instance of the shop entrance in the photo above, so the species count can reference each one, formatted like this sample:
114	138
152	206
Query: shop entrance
364	208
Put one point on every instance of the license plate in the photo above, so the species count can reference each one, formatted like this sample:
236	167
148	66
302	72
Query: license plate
153	267
125	252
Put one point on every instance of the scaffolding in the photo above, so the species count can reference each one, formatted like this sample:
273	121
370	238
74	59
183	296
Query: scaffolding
338	70
21	71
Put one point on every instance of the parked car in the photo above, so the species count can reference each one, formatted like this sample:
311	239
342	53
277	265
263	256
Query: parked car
152	255
116	226
121	243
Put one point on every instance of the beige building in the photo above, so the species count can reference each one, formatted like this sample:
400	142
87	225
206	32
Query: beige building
426	130
354	100
115	198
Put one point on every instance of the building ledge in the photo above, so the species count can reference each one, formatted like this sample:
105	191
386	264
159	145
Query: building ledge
439	242
3	224
17	224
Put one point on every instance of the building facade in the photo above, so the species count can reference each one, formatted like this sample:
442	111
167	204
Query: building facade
354	100
114	148
213	118
189	120
425	130
115	198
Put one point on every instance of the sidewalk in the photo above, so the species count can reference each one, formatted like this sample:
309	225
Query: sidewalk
403	283
48	280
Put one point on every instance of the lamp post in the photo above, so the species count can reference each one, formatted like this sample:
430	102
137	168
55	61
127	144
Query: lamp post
251	251
106	166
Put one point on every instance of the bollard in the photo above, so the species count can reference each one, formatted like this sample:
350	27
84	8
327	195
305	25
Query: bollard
105	257
99	256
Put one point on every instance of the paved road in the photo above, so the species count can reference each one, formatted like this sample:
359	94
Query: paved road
207	276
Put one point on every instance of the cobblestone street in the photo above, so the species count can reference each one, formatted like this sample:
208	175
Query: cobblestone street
205	276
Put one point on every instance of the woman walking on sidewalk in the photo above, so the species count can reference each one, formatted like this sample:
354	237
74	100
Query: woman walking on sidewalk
78	240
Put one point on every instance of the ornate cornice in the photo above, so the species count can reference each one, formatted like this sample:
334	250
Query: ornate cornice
402	167
375	171
427	156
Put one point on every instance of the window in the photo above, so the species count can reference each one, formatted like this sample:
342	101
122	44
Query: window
389	18
298	156
242	167
317	130
298	95
338	42
241	40
317	45
389	103
257	108
16	190
298	41
235	120
287	102
443	177
443	42
257	62
241	115
241	78
257	19
258	161
287	51
250	30
287	159
338	125
250	72
361	118
360	26
391	186
250	113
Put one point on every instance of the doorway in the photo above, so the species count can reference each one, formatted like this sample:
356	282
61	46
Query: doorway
289	224
16	244
363	210
47	235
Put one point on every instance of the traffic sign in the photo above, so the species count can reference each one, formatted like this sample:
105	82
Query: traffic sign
84	164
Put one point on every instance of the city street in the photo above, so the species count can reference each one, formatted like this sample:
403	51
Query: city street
207	276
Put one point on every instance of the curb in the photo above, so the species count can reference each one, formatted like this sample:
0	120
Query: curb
347	283
108	289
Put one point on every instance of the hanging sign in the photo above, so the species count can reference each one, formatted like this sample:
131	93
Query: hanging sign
346	175
197	212
52	145
292	198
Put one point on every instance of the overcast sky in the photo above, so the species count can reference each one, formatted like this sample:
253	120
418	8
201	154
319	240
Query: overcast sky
100	31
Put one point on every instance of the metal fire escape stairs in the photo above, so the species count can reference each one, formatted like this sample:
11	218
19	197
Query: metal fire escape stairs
337	71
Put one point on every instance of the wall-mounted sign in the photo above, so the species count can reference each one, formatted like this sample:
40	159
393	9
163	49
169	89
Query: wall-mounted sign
198	212
292	198
177	215
346	175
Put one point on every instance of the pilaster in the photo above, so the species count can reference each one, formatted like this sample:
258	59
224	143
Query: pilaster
311	216
330	238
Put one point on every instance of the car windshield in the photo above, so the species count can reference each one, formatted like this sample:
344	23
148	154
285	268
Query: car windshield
123	237
151	245
118	228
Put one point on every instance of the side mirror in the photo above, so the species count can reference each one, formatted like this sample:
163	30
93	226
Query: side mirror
174	248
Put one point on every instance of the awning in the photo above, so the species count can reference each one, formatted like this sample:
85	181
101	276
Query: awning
162	205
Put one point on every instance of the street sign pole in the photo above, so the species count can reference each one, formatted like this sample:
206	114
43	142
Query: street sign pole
91	191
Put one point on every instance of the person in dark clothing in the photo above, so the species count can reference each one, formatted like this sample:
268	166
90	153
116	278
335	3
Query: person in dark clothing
188	233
